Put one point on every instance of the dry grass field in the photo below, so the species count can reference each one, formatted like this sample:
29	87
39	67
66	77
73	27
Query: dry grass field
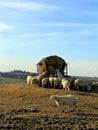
25	107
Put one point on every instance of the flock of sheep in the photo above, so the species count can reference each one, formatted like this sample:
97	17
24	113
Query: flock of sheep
62	83
49	82
65	83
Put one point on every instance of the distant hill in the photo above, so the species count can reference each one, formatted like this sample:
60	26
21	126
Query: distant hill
19	74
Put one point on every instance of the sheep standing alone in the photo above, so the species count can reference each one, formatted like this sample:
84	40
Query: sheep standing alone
29	80
64	100
65	84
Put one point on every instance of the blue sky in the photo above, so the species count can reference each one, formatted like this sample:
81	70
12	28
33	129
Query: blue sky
33	29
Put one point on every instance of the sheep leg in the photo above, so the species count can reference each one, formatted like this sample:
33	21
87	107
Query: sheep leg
31	83
78	87
68	88
57	104
65	89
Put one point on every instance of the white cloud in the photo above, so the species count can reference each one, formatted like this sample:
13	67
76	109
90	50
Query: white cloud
65	24
50	34
83	68
92	69
9	44
65	34
17	65
27	5
4	27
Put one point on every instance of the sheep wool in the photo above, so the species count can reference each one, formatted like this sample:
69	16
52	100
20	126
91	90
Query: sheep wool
63	100
65	84
29	80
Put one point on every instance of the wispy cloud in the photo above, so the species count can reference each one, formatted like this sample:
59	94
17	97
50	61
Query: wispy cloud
65	24
87	69
65	34
40	34
5	27
27	5
22	44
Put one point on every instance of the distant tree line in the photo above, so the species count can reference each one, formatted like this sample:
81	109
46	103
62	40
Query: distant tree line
19	74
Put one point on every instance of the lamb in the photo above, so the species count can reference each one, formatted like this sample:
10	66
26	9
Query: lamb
79	83
63	100
29	80
65	84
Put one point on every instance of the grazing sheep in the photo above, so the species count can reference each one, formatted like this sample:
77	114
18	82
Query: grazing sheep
65	84
45	82
94	84
40	77
29	80
63	100
51	81
79	83
56	82
34	80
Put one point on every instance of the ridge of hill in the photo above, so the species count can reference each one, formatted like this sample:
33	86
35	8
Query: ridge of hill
16	74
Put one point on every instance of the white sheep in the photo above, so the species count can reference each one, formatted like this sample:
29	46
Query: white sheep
45	81
51	81
94	84
65	84
79	83
56	82
63	100
40	77
34	80
29	80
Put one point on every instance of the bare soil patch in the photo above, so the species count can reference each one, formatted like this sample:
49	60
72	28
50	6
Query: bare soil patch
24	107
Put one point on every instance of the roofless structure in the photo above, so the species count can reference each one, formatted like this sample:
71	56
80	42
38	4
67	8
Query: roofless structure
50	64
